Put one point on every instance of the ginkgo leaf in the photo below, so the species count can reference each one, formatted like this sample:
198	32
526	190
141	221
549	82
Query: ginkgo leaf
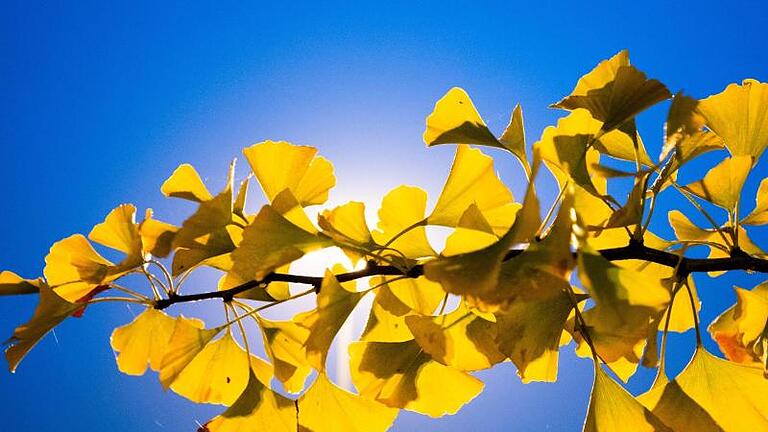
284	343
722	184
631	213
217	374
456	121
626	302
683	132
472	233
346	225
739	115
119	231
731	394
614	91
279	165
473	180
460	339
325	407
401	375
189	337
51	310
419	294
269	242
204	235
186	183
403	208
473	275
143	341
13	284
759	215
513	138
334	305
529	331
386	320
612	409
238	206
156	236
737	330
73	268
669	403
257	409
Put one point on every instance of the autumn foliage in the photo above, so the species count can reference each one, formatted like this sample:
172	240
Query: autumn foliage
517	280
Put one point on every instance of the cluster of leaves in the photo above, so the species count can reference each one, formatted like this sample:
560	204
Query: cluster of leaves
521	287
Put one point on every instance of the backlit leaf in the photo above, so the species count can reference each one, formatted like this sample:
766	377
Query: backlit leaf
326	407
189	337
759	215
614	92
401	375
186	183
284	343
156	236
513	138
739	115
401	208
613	409
722	184
143	341
279	165
334	305
473	180
459	339
13	284
51	310
73	268
456	121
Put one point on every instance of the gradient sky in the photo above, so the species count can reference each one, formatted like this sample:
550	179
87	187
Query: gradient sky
101	102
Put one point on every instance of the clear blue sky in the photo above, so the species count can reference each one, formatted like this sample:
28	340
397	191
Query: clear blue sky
101	102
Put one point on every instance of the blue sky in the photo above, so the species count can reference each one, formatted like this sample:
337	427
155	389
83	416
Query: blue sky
101	102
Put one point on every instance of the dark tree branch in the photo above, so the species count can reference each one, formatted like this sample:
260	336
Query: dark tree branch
634	251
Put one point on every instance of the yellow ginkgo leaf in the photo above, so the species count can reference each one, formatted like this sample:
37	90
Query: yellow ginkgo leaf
238	206
257	409
403	209
347	223
739	115
419	294
626	303
529	331
513	138
684	132
737	330
189	337
473	180
143	341
217	374
279	165
669	403
51	310
460	339
204	235
614	92
402	375
269	242
613	409
119	231
156	236
473	275
186	183
456	121
722	184
334	305
73	268
284	343
327	408
386	321
13	284
472	233
732	394
286	204
759	215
